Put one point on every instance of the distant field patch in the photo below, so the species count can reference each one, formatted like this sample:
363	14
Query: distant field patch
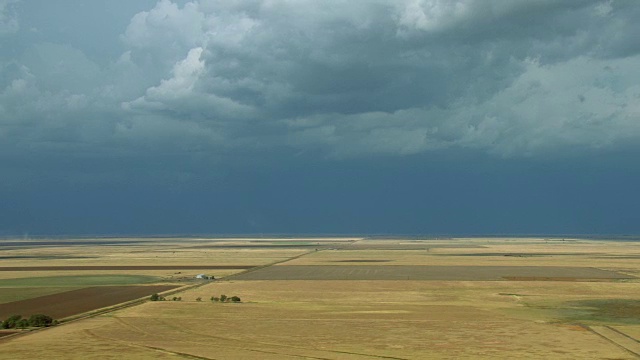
76	281
257	246
9	294
44	257
523	254
404	246
552	278
410	272
621	311
362	261
79	301
286	242
66	243
125	267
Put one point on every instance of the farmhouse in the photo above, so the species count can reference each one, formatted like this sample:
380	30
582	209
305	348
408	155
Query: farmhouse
205	277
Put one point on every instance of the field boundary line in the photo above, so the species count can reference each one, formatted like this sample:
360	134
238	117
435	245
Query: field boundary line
96	312
621	346
189	356
260	267
621	333
157	349
141	300
243	346
128	304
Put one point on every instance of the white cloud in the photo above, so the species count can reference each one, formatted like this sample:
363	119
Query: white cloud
434	16
185	75
180	93
166	26
583	102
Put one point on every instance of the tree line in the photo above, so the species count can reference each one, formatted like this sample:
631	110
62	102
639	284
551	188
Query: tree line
36	320
225	298
222	298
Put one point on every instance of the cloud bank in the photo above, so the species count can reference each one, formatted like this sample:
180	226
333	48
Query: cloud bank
337	79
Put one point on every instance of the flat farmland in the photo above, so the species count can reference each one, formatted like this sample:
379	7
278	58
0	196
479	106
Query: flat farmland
17	289
11	294
65	304
475	298
169	259
328	319
76	281
124	267
621	257
405	245
408	272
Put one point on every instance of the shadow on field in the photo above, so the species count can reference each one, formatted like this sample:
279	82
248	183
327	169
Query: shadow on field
620	311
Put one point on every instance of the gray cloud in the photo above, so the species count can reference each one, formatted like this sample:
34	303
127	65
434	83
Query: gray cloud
8	19
342	79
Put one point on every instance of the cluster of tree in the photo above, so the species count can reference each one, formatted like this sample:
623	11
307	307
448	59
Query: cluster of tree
156	297
36	320
225	298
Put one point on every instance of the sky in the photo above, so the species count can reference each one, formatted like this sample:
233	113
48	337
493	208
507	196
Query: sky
416	117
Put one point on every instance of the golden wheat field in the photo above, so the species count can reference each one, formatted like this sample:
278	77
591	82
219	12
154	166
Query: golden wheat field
473	298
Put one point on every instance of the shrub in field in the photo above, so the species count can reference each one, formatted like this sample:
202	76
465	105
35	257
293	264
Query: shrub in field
40	320
22	323
154	297
198	299
225	298
11	322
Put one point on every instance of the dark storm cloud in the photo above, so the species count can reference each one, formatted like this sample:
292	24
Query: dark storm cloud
242	100
401	77
510	78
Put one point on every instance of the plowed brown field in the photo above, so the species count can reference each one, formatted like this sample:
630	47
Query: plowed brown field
75	302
